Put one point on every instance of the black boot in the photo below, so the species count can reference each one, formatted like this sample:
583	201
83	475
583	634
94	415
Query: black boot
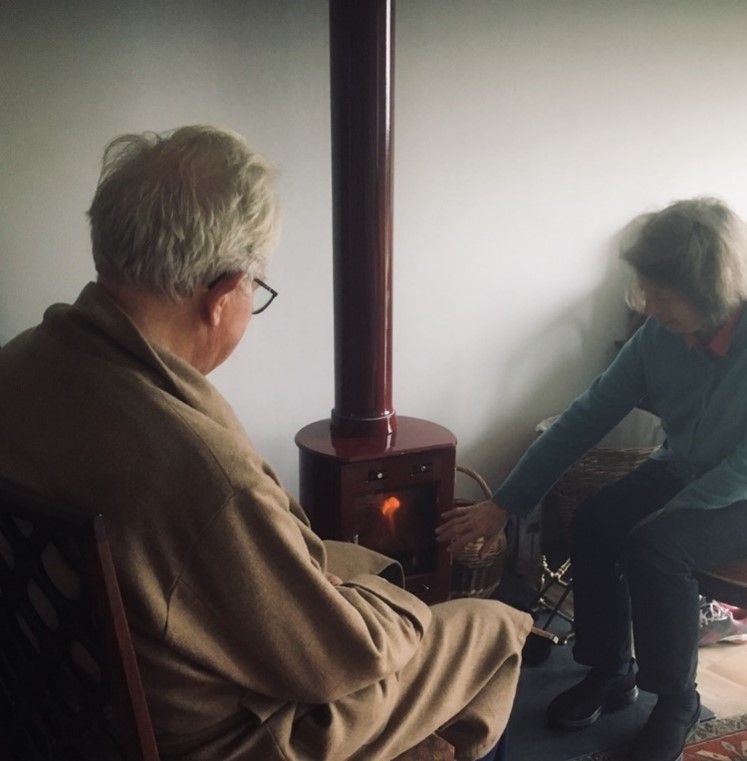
664	735
598	693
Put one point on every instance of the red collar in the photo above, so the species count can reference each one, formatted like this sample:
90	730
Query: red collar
720	343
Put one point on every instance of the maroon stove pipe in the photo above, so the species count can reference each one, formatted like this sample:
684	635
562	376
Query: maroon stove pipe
361	36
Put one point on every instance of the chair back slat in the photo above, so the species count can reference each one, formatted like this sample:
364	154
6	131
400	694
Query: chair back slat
130	690
69	680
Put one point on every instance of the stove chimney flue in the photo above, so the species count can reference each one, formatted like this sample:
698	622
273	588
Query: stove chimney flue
361	112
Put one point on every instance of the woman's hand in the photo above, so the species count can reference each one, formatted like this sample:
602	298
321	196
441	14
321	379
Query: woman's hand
463	525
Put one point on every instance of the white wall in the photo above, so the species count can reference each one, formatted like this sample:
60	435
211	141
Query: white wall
527	135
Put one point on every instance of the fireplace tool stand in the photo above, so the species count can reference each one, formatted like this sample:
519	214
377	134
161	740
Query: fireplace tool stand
553	590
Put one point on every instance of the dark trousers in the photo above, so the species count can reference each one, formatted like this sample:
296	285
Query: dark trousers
631	566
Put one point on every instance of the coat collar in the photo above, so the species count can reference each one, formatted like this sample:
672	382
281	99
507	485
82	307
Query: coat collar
96	324
722	339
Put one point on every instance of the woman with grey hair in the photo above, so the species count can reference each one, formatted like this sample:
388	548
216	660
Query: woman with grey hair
636	543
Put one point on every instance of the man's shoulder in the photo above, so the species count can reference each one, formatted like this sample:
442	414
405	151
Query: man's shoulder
16	347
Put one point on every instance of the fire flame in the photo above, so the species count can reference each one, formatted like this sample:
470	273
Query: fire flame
388	509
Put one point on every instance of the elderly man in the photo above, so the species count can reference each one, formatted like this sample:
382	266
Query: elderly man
250	644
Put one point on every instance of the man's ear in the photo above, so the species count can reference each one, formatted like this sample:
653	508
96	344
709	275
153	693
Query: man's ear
217	297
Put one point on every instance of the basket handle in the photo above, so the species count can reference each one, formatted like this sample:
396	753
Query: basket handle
476	477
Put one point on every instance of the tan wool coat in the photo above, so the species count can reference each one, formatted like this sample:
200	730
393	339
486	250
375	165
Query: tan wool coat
247	650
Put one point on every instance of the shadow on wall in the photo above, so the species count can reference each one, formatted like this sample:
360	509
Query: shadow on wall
578	344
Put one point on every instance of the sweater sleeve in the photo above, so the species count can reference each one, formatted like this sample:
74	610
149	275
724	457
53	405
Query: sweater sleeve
721	486
270	621
594	413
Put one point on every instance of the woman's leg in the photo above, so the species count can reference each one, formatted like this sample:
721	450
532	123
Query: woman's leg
658	560
600	593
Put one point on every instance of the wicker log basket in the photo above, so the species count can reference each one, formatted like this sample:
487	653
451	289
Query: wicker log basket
597	468
476	572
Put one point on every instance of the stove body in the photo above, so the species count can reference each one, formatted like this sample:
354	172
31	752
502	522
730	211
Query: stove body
386	494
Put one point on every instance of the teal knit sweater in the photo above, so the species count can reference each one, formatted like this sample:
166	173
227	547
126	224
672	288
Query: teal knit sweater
702	403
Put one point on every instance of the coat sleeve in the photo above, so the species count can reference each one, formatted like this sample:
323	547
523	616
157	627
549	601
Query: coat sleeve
268	618
611	396
348	560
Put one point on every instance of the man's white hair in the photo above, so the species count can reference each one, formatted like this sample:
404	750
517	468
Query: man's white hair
178	210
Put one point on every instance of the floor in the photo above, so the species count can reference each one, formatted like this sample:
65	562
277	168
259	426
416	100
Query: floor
722	682
722	678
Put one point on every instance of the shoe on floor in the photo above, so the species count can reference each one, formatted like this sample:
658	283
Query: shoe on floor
585	702
665	732
720	622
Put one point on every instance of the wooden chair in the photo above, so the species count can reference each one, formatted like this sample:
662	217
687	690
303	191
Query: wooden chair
726	583
69	681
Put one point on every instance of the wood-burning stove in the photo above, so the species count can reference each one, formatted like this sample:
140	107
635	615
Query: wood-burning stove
385	492
367	475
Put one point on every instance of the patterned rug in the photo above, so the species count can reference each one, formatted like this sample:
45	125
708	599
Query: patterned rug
715	740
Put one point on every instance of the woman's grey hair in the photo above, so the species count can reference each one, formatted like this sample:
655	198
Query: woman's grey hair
695	247
178	210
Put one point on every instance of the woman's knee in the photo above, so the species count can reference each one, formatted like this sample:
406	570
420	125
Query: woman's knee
651	549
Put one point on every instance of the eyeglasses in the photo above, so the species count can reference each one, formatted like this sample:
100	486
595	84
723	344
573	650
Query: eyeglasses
263	296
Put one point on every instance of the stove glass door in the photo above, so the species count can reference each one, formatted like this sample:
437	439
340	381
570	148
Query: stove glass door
400	523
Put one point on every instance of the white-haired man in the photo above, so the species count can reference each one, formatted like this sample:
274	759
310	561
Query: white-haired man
250	644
